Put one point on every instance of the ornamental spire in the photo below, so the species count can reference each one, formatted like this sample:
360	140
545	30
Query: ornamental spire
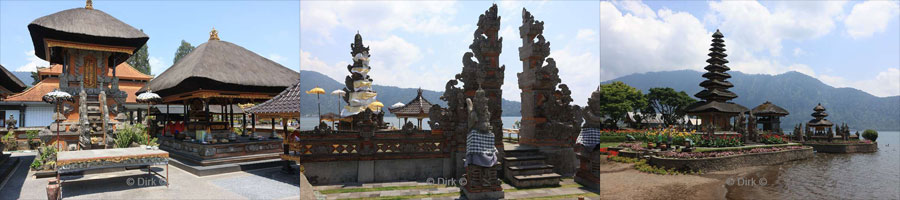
89	5
214	35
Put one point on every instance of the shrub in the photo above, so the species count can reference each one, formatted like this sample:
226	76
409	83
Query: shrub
772	139
133	133
870	134
612	138
46	159
10	140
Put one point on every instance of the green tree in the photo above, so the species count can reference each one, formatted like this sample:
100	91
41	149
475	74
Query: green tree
140	60
182	51
617	99
35	78
669	104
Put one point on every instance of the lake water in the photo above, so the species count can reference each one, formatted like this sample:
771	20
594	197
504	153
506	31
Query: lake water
308	123
832	176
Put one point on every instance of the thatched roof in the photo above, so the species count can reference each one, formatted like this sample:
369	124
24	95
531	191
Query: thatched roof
9	81
286	103
84	25
715	106
221	65
419	106
768	108
822	122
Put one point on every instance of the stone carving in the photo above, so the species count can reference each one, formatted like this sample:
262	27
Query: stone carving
548	117
592	111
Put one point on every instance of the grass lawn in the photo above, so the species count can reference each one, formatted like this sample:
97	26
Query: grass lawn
349	190
609	144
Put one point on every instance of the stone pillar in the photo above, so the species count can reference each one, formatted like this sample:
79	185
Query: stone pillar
548	120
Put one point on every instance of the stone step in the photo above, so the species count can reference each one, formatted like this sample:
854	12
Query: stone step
528	170
91	108
539	180
523	158
521	152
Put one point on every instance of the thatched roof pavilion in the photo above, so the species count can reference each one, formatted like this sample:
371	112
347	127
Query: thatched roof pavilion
286	104
85	28
222	69
417	108
769	115
9	84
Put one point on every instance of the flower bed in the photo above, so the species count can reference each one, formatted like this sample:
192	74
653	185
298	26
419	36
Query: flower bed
728	160
773	139
712	154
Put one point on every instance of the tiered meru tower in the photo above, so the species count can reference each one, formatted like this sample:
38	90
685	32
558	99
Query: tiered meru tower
715	111
548	119
358	87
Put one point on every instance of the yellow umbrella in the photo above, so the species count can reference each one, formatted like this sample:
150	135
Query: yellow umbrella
377	105
317	90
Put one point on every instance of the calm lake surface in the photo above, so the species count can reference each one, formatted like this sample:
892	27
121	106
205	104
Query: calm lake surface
832	176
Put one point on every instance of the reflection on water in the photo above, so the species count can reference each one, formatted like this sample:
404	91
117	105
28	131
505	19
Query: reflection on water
832	176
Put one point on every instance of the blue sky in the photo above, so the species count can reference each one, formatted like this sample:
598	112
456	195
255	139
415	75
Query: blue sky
842	43
421	44
268	28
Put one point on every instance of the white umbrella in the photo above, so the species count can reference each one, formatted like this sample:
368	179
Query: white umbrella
55	97
397	105
339	93
148	97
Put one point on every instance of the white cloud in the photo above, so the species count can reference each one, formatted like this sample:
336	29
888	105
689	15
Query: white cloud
277	58
799	52
586	35
311	63
33	63
886	83
869	17
379	17
631	44
157	66
756	27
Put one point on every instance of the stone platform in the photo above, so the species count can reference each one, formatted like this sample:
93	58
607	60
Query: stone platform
844	148
242	150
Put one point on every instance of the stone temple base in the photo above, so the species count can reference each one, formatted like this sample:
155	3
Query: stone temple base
588	173
482	183
844	148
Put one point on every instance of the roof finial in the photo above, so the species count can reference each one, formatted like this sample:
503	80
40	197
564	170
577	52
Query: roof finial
89	5
214	35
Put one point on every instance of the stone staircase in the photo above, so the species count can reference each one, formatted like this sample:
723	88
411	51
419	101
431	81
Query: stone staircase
94	117
526	168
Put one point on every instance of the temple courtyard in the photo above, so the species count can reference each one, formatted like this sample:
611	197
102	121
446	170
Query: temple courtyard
266	183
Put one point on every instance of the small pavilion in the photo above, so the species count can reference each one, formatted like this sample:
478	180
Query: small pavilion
769	115
224	74
417	108
820	126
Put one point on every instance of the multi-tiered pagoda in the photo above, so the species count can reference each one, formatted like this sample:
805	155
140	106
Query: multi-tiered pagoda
819	126
715	110
359	92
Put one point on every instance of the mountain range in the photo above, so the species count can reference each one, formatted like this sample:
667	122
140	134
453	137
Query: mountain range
388	95
796	92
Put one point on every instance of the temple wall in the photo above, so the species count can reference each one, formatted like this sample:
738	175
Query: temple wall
369	171
732	162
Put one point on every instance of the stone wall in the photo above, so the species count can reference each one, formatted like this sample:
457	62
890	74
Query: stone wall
368	171
844	148
732	162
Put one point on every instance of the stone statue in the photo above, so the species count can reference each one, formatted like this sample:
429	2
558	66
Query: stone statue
11	123
752	128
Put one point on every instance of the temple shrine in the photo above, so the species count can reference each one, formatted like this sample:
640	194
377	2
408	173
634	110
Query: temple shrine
715	111
87	49
224	74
